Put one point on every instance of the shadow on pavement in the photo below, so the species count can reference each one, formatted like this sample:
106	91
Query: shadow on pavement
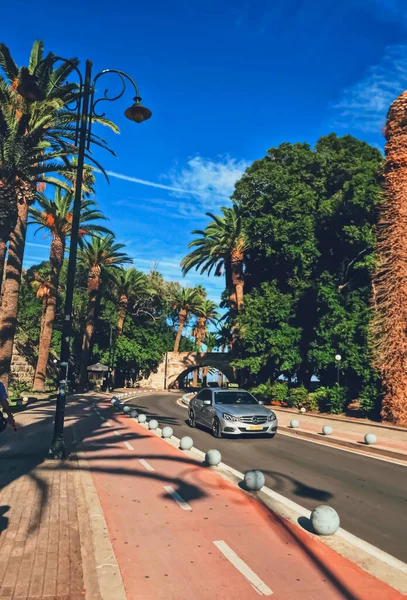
300	489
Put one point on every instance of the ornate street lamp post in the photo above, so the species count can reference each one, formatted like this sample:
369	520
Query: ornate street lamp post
85	108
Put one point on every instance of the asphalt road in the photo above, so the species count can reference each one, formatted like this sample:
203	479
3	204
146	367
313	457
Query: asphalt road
369	495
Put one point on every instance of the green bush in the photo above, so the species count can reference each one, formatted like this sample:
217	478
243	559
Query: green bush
16	389
279	391
297	397
318	400
370	401
262	392
336	399
271	392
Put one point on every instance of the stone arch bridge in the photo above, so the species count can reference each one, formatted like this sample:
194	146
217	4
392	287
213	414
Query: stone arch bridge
177	365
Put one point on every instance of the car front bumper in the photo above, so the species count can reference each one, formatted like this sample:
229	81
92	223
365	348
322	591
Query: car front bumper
238	428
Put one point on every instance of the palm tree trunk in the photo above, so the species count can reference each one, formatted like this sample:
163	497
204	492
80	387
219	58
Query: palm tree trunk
11	290
390	279
94	289
200	332
195	378
182	319
205	377
56	260
220	380
3	250
123	305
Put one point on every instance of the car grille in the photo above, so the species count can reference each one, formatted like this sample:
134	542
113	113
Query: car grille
253	420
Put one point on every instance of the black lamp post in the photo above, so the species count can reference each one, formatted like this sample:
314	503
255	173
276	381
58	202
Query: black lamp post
84	107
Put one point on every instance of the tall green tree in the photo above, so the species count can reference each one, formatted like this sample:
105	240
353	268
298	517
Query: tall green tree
99	257
220	248
185	301
37	136
55	217
309	219
130	285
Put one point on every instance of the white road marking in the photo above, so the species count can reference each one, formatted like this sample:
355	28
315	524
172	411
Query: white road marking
146	465
102	418
243	568
175	496
108	424
97	412
116	432
129	446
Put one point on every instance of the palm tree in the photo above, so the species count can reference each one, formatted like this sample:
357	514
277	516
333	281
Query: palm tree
55	216
36	139
186	300
130	285
206	313
99	256
211	341
221	248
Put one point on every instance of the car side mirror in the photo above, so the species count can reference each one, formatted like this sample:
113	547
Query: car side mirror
207	402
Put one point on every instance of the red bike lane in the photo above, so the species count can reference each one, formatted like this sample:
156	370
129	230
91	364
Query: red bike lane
181	531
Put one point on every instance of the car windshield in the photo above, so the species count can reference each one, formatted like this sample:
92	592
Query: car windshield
234	398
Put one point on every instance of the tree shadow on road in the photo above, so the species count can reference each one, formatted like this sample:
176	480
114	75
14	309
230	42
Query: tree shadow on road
300	489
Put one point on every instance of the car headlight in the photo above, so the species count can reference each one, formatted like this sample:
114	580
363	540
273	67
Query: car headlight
272	417
229	417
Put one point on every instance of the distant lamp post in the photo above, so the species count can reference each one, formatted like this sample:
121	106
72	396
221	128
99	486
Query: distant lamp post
338	359
84	107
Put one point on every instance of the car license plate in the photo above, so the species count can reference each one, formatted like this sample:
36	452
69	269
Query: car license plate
255	427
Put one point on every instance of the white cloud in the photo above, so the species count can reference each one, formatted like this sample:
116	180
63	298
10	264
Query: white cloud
214	179
154	184
208	183
364	105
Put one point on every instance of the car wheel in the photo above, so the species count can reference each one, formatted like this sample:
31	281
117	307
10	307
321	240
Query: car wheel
216	429
191	419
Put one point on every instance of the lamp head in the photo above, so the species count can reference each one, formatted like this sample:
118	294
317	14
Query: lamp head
137	112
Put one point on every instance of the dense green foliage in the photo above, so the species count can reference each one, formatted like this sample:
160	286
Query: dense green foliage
309	222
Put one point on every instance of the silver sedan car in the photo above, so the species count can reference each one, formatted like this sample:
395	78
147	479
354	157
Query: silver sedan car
231	412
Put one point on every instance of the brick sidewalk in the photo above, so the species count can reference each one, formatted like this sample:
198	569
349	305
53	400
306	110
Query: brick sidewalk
43	513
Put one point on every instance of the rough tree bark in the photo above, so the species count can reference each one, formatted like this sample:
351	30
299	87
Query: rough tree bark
94	283
11	290
389	326
182	319
56	262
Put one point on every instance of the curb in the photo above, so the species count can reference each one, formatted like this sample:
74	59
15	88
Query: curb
331	441
329	417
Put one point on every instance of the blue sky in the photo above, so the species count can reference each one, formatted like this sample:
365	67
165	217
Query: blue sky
225	81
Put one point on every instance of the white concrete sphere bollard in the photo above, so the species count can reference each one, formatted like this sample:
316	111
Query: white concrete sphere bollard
126	409
254	480
294	424
186	443
325	520
142	418
327	430
303	409
167	432
213	458
153	424
370	438
133	413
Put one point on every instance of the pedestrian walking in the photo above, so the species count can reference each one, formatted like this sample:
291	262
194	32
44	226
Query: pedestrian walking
6	409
